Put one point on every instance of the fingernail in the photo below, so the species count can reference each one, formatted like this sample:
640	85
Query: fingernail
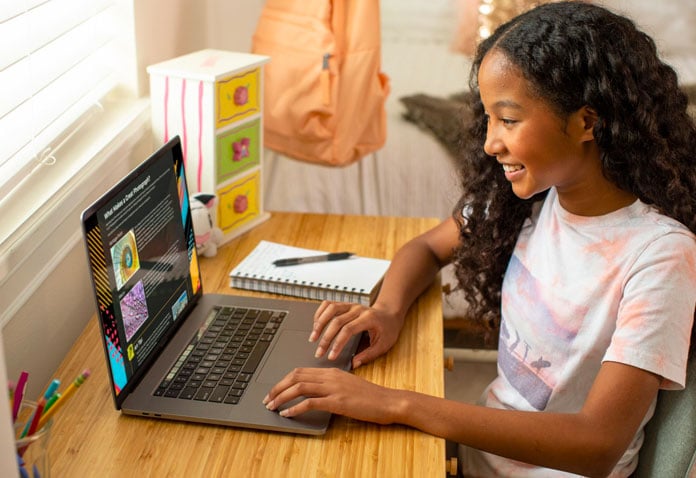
270	405
332	355
284	413
313	336
319	352
358	363
265	400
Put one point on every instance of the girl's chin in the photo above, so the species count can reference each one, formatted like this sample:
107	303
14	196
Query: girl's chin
523	192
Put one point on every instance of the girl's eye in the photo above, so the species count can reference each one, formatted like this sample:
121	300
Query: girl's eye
504	121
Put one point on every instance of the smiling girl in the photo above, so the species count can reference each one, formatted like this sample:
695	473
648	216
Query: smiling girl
574	236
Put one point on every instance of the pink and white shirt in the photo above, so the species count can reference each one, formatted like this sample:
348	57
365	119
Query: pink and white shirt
579	291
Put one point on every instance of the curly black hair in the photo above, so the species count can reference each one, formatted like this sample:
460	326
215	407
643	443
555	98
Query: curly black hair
574	54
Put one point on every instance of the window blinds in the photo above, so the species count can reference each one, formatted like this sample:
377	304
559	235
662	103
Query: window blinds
54	67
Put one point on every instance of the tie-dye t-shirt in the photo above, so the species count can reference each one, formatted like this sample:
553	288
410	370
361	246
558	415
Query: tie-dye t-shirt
582	290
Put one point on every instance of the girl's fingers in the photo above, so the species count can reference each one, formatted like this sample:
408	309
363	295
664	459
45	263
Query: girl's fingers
299	382
347	330
366	356
336	330
326	311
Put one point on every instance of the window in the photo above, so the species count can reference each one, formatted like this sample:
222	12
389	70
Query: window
54	68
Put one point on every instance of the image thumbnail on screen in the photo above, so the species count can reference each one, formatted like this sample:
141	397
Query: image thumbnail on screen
124	256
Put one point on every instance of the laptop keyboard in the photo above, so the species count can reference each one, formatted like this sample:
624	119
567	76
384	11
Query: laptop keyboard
219	361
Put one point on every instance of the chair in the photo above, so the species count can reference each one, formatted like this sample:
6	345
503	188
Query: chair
669	449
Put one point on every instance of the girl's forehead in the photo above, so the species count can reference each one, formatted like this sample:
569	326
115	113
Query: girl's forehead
498	76
496	65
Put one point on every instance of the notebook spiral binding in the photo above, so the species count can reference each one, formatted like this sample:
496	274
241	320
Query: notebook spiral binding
304	289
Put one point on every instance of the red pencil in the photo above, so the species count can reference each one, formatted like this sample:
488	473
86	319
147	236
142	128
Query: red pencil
37	416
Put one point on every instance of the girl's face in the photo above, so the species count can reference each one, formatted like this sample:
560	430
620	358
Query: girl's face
538	149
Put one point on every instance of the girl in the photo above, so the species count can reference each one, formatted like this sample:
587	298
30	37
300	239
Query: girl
575	235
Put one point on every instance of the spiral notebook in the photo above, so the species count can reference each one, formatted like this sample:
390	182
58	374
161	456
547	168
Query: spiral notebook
356	279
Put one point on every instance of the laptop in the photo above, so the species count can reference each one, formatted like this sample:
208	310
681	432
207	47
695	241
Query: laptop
172	351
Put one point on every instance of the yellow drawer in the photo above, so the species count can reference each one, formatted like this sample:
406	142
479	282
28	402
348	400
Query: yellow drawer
239	202
238	97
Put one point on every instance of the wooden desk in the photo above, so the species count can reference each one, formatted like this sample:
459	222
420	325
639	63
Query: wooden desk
90	438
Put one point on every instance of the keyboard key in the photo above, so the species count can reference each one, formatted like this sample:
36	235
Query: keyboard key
188	393
204	394
231	400
255	358
171	393
219	394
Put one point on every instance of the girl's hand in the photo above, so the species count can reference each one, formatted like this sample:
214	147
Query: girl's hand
337	322
334	391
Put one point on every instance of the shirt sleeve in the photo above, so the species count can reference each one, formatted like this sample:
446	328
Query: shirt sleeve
656	312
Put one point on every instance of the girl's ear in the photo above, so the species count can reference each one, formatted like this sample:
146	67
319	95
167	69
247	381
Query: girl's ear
588	117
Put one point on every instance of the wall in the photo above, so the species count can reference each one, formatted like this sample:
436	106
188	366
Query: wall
170	28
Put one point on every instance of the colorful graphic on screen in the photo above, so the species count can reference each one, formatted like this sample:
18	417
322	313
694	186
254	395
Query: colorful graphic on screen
182	190
124	256
195	271
134	310
180	305
118	371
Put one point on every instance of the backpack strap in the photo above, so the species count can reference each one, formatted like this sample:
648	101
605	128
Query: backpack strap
338	24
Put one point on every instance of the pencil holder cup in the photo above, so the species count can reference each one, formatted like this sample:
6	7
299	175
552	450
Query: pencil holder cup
32	450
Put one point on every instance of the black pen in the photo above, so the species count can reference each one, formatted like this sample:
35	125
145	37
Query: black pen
293	261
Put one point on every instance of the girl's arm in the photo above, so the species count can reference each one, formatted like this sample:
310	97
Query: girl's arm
589	442
411	271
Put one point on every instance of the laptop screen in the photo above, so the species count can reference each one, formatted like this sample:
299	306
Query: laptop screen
142	257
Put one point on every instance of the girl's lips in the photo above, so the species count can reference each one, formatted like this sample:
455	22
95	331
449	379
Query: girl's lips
513	171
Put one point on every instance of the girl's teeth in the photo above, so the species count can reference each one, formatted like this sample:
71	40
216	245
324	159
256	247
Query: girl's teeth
508	168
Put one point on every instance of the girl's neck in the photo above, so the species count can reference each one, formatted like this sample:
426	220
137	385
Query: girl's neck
598	202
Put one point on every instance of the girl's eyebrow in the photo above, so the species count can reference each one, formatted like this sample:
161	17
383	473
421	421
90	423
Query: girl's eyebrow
507	104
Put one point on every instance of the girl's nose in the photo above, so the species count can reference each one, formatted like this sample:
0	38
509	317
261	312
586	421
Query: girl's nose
493	145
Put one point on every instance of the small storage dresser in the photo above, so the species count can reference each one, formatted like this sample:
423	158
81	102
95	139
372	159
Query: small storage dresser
213	100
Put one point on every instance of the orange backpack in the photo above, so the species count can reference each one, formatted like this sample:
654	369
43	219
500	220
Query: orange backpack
324	93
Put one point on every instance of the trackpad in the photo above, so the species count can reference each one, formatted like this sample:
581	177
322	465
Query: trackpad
293	350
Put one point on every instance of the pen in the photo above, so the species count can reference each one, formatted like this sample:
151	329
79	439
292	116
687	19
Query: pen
19	394
292	261
50	402
52	387
64	397
23	473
